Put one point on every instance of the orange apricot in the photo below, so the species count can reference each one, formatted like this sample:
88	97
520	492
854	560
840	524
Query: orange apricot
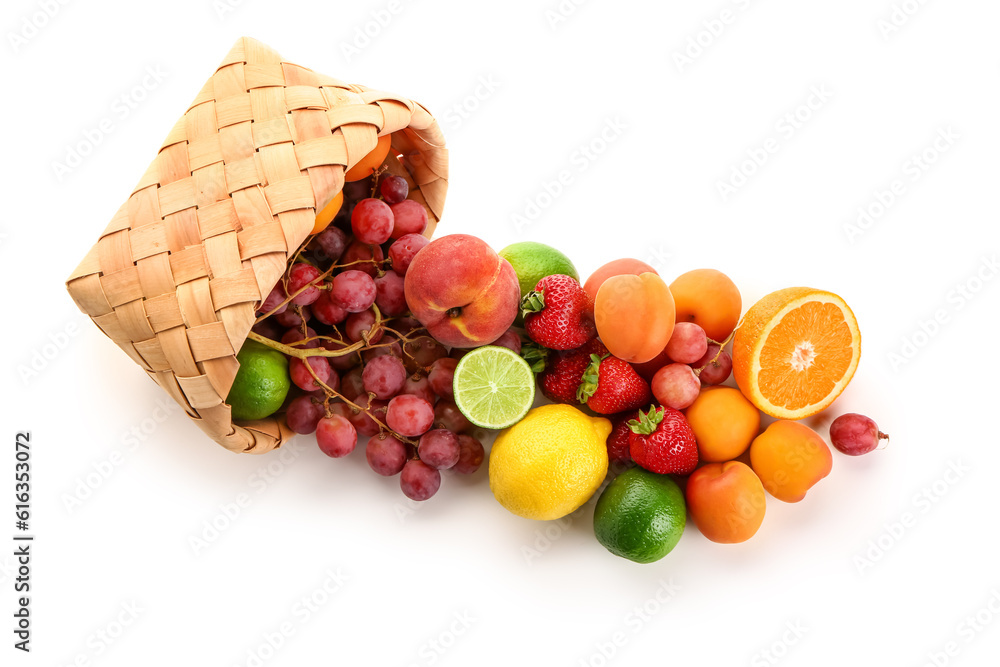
369	163
726	501
710	299
634	316
615	267
790	458
724	423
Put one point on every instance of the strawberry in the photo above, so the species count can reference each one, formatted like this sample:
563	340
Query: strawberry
618	440
559	314
611	385
662	442
564	369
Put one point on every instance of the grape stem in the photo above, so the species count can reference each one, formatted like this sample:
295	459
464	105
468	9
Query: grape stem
722	346
325	274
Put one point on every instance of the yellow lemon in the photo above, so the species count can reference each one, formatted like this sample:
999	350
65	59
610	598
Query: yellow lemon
549	463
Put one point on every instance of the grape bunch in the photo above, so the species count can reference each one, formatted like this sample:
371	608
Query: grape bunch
361	365
689	361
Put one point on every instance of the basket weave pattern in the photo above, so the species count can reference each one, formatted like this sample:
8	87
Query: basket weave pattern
233	192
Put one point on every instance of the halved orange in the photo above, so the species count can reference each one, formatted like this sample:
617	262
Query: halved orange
796	351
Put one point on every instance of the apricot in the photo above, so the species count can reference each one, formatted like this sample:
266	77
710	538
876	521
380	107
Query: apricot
708	298
364	167
790	458
615	267
726	501
462	291
634	316
724	423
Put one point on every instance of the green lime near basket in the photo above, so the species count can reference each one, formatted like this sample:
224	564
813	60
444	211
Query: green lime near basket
494	387
261	383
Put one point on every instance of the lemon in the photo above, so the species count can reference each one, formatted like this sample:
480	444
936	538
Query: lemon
533	261
261	384
640	516
550	462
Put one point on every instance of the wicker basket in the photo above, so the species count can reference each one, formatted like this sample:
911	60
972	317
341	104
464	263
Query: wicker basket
175	278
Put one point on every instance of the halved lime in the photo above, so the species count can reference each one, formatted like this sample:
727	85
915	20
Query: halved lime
494	387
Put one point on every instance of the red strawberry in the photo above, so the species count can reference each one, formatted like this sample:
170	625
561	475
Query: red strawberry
559	314
618	441
611	385
662	442
564	369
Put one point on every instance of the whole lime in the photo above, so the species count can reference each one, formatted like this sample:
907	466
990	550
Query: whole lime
261	384
533	261
640	516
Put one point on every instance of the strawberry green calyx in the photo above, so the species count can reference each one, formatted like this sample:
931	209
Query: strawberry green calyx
647	422
588	381
533	302
536	356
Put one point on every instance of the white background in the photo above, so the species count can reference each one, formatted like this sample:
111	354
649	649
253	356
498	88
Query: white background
840	567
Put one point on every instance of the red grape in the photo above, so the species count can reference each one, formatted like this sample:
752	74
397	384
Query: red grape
293	336
354	290
687	344
447	415
364	424
275	298
410	218
359	325
418	480
352	384
389	296
268	329
510	340
327	310
358	252
386	456
332	241
336	436
355	190
471	455
714	372
384	376
301	376
855	434
372	221
422	351
676	386
393	189
417	385
409	415
439	448
300	275
303	415
294	317
441	377
402	250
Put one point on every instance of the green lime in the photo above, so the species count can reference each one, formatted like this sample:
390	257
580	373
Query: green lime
640	516
261	384
494	387
533	261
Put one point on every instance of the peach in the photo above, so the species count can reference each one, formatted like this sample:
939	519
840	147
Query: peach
790	458
709	299
462	291
724	423
615	267
726	501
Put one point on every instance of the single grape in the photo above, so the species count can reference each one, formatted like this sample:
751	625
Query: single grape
384	376
471	455
441	376
303	415
676	386
458	352
409	415
855	434
714	372
418	480
393	189
392	348
336	436
372	221
364	424
386	456
406	325
367	256
357	190
342	362
352	384
510	340
300	275
301	376
332	241
420	352
439	448
417	385
268	329
389	295
354	290
275	299
687	344
447	415
359	325
403	249
293	336
294	317
327	310
410	218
